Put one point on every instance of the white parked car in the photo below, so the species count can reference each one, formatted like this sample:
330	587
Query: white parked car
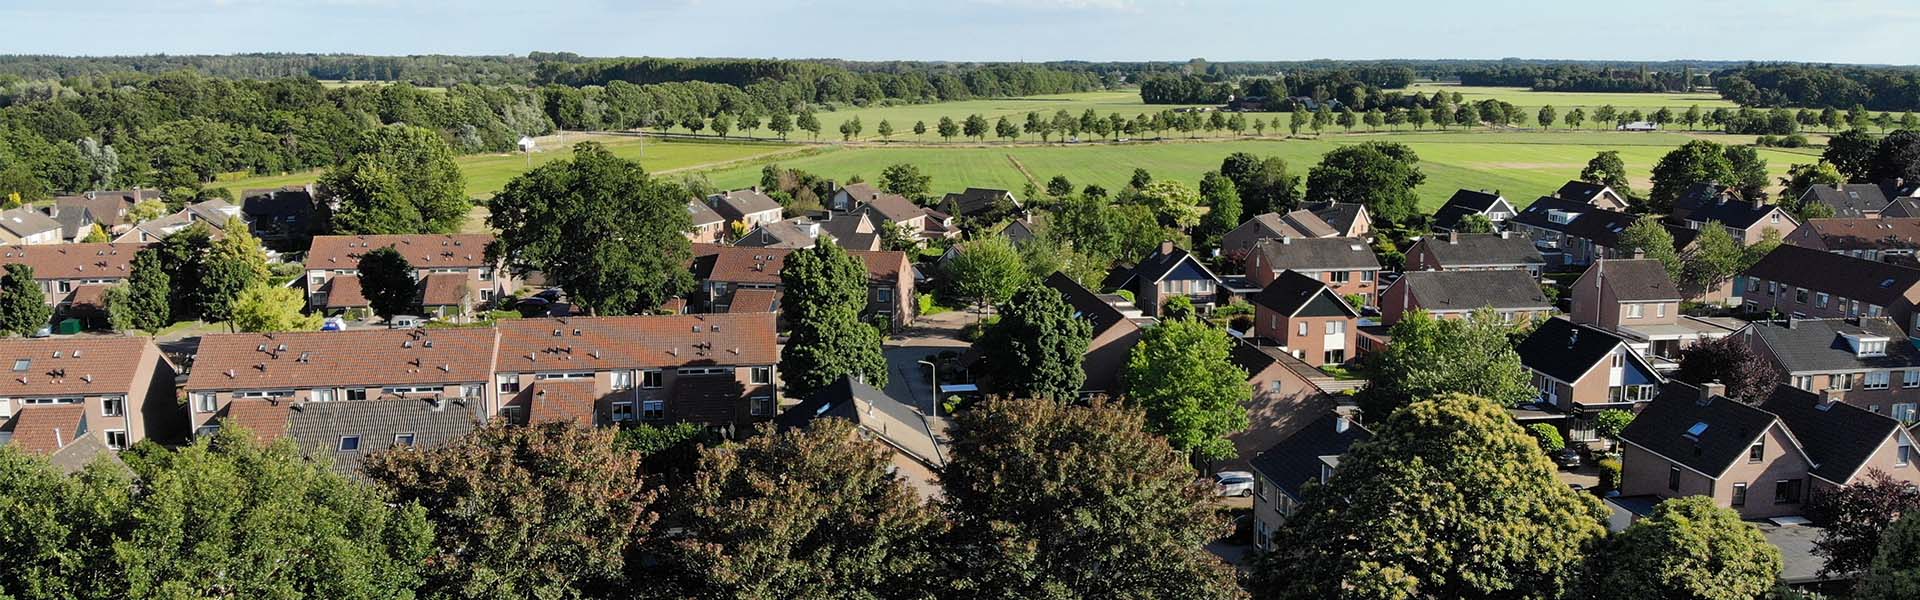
1233	483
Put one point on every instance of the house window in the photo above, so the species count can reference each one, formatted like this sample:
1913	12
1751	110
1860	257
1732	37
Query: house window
356	393
1758	451
1840	381
1804	382
653	410
762	375
1338	276
571	375
1873	310
113	406
1773	288
205	402
1820	300
1740	494
622	380
1336	327
509	383
883	295
650	379
1910	378
1275	319
1303	328
1276	386
762	406
1905	454
1660	310
206	430
403	440
622	412
1753	285
1878	380
321	395
117	439
1673	478
1800	295
1334	357
1633	311
349	443
1903	411
1786	491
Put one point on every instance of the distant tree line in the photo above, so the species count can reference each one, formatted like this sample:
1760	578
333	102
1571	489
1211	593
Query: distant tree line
787	83
1820	86
1577	78
436	70
1321	85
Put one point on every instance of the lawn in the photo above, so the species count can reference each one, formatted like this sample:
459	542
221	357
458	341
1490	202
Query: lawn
488	173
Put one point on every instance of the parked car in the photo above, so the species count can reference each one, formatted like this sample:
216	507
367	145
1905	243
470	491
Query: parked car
1567	458
1233	483
404	322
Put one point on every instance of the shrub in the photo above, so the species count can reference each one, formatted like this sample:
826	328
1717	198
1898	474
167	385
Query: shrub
1609	423
924	305
1609	474
1548	436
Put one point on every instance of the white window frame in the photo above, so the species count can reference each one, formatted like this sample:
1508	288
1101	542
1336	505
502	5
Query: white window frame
1878	380
563	376
409	436
762	375
1633	311
622	411
508	383
113	406
653	410
206	402
622	380
122	443
341	446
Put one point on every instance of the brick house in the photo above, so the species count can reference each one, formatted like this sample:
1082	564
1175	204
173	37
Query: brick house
1569	234
1172	271
1594	194
1348	219
1283	471
1582	370
333	269
708	226
1305	318
1708	204
723	270
1236	245
1804	282
1470	202
1347	265
1848	200
747	207
1453	294
85	394
75	275
1116	328
1885	239
1475	252
1635	299
1866	362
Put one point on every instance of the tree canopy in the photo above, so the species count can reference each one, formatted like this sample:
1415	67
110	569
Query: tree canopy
825	290
1688	548
397	179
270	308
1182	374
1895	571
1749	377
1037	347
23	306
1431	357
1698	161
388	283
1381	175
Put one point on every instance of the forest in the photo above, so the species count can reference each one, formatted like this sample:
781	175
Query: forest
1821	86
1574	78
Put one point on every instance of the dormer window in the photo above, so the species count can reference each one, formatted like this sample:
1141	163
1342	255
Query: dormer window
1867	345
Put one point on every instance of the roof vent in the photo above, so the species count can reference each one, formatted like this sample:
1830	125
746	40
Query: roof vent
76	354
428	343
87	378
406	344
304	357
262	348
557	333
696	329
576	331
56	354
281	348
229	373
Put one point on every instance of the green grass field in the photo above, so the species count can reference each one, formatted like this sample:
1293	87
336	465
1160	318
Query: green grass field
1565	101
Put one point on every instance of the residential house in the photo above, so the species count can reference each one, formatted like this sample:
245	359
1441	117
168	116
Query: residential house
916	221
1305	318
1027	228
1348	219
1237	245
1886	239
1582	370
1347	265
1475	252
747	206
1902	207
345	433
1635	299
1762	461
1288	394
1569	234
1116	326
851	231
852	196
452	365
1709	204
708	226
28	227
981	205
75	276
722	270
1866	362
285	218
85	393
214	213
1283	472
917	453
109	209
1804	282
333	269
1597	195
1847	200
1172	271
1514	294
1470	202
716	371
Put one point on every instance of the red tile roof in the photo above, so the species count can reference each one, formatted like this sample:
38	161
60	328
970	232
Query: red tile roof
556	400
754	300
736	264
653	341
343	291
44	428
361	357
445	289
265	418
73	261
422	250
70	366
92	296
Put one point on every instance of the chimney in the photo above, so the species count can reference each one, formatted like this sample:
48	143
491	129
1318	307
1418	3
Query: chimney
1286	240
1759	202
1166	247
1341	423
1506	235
1453	237
755	188
1827	398
1711	390
1639	253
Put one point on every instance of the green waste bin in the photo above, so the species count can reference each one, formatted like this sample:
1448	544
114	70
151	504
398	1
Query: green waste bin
68	327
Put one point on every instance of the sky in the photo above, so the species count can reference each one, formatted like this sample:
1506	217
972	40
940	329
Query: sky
1844	31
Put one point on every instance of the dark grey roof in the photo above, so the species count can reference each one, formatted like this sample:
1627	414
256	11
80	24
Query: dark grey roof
838	399
1579	191
977	200
1636	280
1564	350
1902	207
1469	290
290	201
318	426
1845	276
1725	428
1316	254
703	214
1340	215
1295	461
1292	291
1839	437
846	225
737	204
1157	266
1085	303
1718	204
1820	345
1463	203
1576	219
1848	200
1482	249
778	234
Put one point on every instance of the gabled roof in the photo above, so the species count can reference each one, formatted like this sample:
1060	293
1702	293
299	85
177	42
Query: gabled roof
1839	437
46	428
343	291
1299	223
780	234
737	204
1856	278
558	400
1502	289
1339	215
637	342
73	261
1103	363
109	209
702	214
890	207
265	418
1297	460
1704	435
1580	191
1163	262
1867	233
442	289
977	200
359	357
70	366
316	427
1316	254
289	201
754	300
1633	279
1902	207
1293	291
23	222
762	265
848	399
1848	200
1482	249
1821	345
1576	219
1086	304
1567	351
1463	203
1718	204
423	250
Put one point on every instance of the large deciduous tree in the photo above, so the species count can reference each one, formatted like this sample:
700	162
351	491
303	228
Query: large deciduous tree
1182	374
985	271
1689	548
388	283
1430	357
1263	183
143	302
536	511
598	227
270	308
1852	152
1698	161
233	263
1607	169
814	513
23	306
1449	499
1222	200
1749	377
398	179
1894	573
1381	175
904	179
1652	240
1853	518
1896	158
1036	349
825	290
1713	258
1066	501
